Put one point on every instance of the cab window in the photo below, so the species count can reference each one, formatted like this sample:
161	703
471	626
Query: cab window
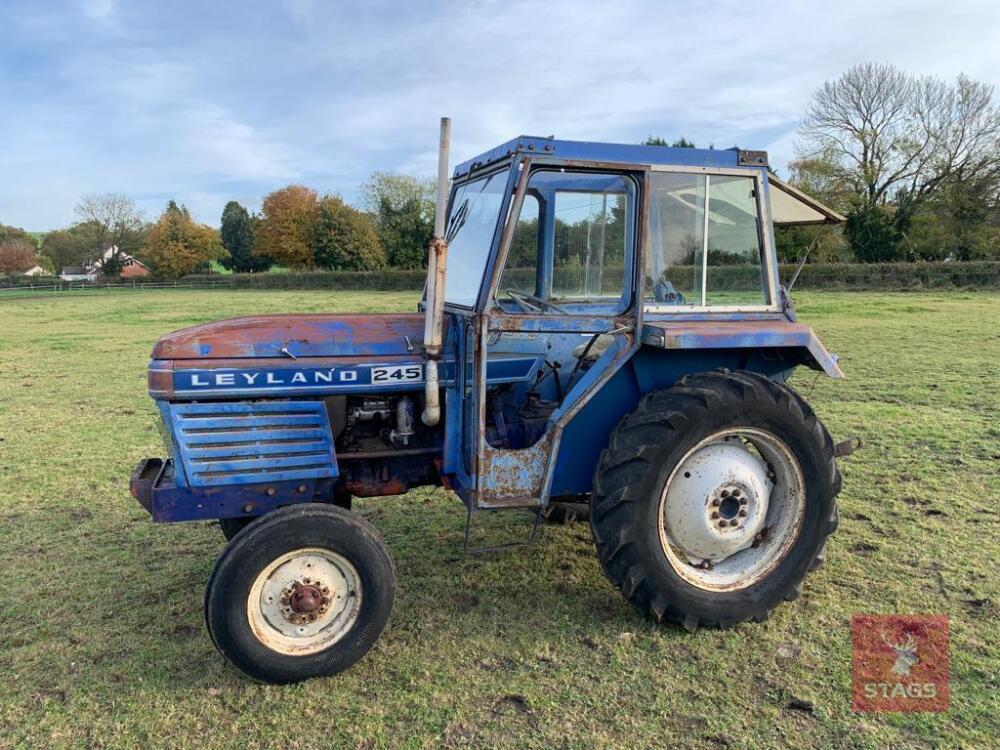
472	222
705	242
570	244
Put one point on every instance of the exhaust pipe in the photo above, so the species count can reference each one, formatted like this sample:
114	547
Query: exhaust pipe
437	260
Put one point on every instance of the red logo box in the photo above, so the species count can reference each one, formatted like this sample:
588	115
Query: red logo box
899	663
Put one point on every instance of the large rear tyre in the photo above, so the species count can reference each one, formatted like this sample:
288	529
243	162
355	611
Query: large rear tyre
305	591
714	499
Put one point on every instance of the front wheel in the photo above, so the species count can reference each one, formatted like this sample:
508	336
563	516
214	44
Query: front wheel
232	526
303	592
714	499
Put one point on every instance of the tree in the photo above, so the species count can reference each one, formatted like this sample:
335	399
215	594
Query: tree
237	235
285	231
894	138
398	190
404	232
17	255
14	233
345	238
816	176
64	247
655	140
961	222
403	207
177	245
116	224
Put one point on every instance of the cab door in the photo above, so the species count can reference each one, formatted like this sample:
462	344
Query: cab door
560	309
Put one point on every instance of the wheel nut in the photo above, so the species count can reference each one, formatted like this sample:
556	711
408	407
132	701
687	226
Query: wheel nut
743	501
715	503
736	492
722	524
725	493
714	516
743	514
734	522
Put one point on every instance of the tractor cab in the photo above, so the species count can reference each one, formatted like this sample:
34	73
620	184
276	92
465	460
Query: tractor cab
591	273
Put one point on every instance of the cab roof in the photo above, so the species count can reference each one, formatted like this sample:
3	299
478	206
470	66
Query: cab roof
614	152
789	205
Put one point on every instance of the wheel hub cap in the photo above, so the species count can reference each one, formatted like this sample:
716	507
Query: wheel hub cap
304	601
718	503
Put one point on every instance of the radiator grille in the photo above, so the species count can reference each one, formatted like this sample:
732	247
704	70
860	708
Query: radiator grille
250	442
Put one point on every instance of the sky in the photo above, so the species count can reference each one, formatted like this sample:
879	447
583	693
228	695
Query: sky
205	102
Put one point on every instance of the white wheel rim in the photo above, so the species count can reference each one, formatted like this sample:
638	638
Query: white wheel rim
304	601
731	509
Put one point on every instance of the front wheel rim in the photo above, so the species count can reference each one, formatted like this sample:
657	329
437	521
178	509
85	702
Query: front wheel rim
731	509
304	601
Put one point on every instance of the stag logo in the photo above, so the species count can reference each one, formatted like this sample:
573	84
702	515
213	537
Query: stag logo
906	654
899	663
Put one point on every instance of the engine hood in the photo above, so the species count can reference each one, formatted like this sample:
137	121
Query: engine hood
296	336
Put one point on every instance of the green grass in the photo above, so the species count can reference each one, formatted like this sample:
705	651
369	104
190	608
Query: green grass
102	642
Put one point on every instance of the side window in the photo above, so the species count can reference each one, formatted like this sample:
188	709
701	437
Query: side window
590	234
521	272
734	270
569	245
705	242
676	239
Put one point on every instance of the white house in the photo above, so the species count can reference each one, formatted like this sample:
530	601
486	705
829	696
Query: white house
131	267
77	273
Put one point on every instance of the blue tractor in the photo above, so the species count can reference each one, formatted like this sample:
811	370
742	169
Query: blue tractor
602	330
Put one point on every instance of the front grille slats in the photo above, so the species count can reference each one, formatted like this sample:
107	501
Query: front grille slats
253	442
269	448
234	435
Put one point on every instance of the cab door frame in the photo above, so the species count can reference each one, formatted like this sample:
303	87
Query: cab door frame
523	477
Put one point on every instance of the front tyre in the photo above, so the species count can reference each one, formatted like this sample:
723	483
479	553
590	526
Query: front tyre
232	526
714	499
303	592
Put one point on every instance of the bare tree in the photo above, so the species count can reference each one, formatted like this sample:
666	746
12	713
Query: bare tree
115	223
892	136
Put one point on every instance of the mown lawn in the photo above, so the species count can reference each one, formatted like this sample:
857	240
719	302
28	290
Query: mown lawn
102	642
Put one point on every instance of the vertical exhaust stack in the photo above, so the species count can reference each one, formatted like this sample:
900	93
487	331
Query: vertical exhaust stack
437	260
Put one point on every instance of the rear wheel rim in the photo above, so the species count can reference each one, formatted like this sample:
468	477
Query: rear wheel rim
731	509
304	601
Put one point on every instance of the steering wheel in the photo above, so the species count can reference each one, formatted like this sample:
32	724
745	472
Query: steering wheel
532	303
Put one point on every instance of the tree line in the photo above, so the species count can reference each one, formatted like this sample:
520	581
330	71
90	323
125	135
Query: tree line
295	229
913	162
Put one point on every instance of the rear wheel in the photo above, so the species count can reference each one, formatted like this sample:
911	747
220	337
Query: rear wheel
303	592
714	499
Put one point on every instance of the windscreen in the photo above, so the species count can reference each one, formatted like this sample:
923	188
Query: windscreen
472	222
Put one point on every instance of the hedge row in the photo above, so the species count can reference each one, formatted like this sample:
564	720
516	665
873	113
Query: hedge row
974	274
388	280
971	274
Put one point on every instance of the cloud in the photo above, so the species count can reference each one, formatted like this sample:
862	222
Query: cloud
199	102
101	12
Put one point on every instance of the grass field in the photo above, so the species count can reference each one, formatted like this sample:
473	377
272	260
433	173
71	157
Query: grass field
102	642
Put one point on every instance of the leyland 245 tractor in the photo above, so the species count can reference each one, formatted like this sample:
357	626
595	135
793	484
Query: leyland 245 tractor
601	324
